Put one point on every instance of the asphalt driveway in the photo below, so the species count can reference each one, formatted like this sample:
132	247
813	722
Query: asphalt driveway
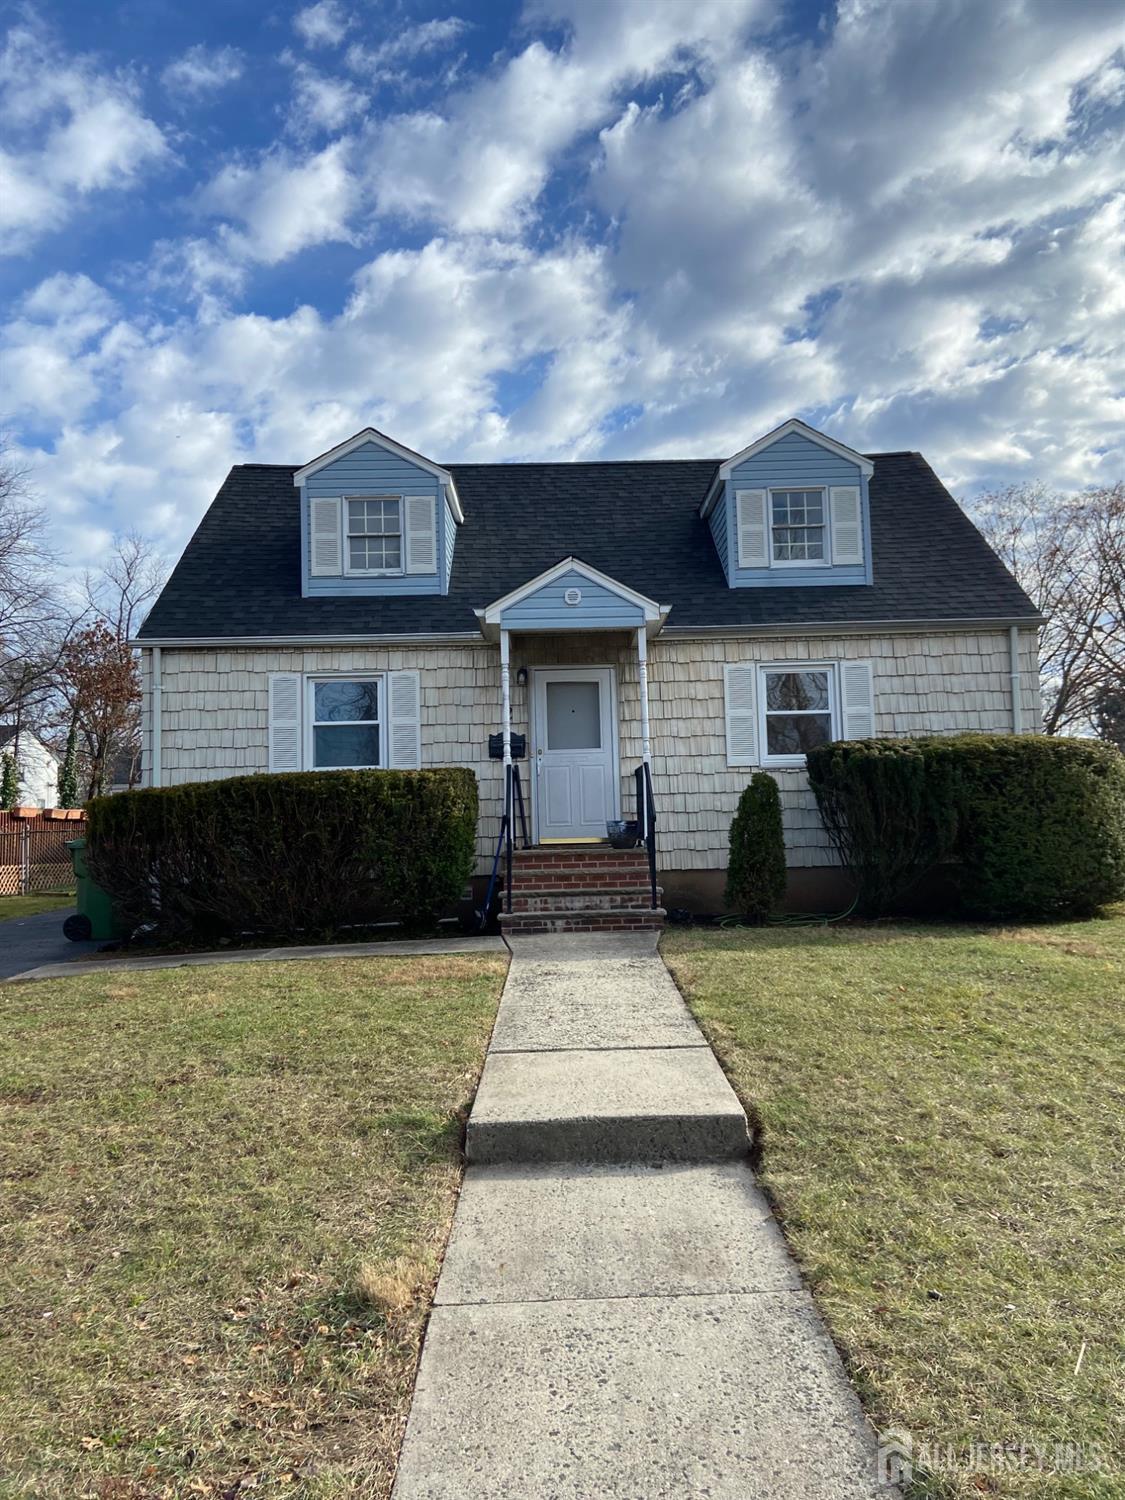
27	942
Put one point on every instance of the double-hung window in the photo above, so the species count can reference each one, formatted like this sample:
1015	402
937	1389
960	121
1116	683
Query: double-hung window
346	723
798	526
798	712
374	534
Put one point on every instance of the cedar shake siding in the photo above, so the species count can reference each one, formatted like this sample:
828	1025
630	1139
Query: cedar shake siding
215	715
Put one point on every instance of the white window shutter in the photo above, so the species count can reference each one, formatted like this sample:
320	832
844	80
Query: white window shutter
847	524
404	738
753	528
739	684
857	690
285	721
420	527
326	540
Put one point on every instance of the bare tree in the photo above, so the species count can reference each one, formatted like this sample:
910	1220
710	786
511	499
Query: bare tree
98	676
1068	554
120	594
102	686
33	622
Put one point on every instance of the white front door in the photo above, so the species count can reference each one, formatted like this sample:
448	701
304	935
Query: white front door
575	744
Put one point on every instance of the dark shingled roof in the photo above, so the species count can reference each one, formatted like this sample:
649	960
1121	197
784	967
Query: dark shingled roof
637	521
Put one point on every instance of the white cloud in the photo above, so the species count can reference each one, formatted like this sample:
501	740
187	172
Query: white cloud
284	203
322	25
203	70
71	132
478	164
910	229
322	102
385	61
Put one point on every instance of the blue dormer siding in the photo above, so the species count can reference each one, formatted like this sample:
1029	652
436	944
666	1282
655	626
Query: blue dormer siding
598	608
719	522
373	470
448	523
792	462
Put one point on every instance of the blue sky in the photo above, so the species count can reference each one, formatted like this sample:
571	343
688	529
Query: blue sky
561	229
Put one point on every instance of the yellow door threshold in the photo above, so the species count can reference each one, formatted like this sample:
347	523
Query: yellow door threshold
574	841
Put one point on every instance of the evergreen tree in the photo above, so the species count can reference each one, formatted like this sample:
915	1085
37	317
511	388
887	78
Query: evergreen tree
9	780
756	867
68	771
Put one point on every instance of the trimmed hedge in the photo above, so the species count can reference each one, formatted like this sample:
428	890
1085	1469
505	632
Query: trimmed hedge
281	855
1026	825
756	867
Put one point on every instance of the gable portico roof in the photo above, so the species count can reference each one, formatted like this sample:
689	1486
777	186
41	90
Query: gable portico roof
493	617
636	522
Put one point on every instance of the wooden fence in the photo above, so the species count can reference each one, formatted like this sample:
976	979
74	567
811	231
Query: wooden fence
34	858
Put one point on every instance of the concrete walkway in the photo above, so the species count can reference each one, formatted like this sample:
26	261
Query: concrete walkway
618	1317
406	948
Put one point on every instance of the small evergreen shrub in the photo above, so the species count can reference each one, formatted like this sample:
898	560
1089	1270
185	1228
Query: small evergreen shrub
68	771
9	781
280	855
756	867
1027	825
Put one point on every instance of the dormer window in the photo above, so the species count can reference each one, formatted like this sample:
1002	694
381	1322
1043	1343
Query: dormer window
374	535
798	525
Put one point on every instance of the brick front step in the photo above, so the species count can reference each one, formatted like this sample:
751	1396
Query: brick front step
597	865
577	853
626	919
580	898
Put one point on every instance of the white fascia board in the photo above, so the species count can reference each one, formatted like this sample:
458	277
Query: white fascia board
713	493
372	435
491	613
794	424
852	627
454	501
211	642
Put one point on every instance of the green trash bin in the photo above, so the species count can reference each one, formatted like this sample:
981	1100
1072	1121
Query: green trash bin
94	918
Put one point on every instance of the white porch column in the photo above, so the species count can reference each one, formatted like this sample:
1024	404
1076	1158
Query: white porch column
506	698
642	667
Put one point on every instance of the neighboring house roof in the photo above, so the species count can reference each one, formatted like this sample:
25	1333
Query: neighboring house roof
8	734
638	522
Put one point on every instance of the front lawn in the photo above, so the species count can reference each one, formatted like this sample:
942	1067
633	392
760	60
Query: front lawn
942	1114
226	1191
31	906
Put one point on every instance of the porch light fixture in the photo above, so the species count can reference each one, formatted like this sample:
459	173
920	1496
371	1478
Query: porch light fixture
521	677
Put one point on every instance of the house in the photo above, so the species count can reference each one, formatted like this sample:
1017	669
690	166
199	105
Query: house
705	618
37	763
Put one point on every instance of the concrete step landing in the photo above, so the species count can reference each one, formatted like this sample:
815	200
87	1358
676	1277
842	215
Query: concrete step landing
642	1104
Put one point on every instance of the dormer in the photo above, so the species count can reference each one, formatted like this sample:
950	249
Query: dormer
792	510
376	519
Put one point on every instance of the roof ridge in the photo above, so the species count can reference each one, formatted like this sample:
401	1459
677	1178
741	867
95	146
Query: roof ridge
578	463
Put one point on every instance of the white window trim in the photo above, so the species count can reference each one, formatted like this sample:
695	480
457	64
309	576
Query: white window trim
311	681
786	562
349	571
834	711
